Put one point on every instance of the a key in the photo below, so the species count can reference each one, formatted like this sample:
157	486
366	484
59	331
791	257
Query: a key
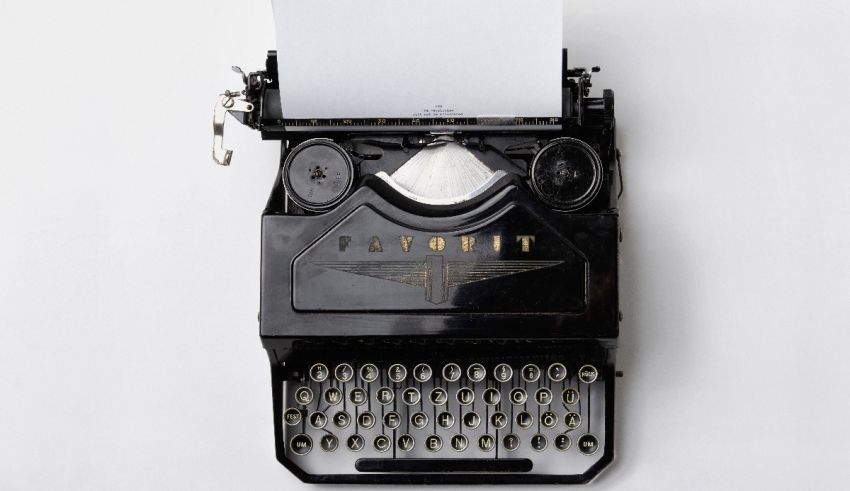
397	373
318	372
301	444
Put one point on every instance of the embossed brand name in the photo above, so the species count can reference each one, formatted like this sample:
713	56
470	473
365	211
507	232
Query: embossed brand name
437	243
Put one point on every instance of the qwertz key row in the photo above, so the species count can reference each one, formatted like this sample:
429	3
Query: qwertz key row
346	418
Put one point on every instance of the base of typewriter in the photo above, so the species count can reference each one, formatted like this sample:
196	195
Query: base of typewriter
413	439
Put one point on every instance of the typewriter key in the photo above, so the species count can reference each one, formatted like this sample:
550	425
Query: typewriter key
465	396
588	444
385	395
451	372
329	443
438	396
486	443
510	442
318	420
433	443
503	372
366	420
530	372
422	372
342	419
524	420
318	372
343	372
292	417
410	396
333	396
562	442
406	443
303	395
518	396
573	420
588	374
397	373
566	174
543	396
317	174
538	442
549	419
459	443
557	372
499	420
446	420
381	443
491	396
471	420
419	420
301	444
357	396
569	396
368	372
476	372
392	420
355	443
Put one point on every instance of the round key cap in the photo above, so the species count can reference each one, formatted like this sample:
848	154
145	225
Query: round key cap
343	372
510	442
465	396
329	443
499	420
318	420
355	443
292	417
301	444
491	396
318	372
438	396
588	444
382	443
385	395
422	372
543	396
587	374
433	443
406	443
549	419
342	419
503	372
538	442
476	372
392	420
419	420
366	420
303	395
557	372
397	373
471	420
518	396
573	420
333	396
530	372
410	396
459	443
445	420
486	443
451	372
524	420
357	396
569	396
562	442
369	372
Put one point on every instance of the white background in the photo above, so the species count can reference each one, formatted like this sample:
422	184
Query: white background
129	263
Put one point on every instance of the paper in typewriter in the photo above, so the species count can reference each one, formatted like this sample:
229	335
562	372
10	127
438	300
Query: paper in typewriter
419	58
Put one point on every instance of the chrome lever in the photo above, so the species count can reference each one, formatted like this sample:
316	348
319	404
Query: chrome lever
228	102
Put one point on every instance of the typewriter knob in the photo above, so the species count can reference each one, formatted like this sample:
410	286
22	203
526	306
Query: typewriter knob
566	174
317	174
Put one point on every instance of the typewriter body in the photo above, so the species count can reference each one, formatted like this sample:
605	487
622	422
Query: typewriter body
431	330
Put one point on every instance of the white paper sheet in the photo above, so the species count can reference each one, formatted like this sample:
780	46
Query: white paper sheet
419	58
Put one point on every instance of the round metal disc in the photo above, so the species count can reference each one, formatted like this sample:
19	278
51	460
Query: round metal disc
317	174
566	174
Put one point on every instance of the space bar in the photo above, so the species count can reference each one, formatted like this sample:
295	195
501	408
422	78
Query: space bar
443	465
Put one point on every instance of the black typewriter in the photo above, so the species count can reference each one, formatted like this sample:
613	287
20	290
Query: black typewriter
439	296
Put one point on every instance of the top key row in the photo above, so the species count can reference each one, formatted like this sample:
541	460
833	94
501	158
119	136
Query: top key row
451	372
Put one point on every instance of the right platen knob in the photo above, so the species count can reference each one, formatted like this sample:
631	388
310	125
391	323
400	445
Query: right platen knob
566	174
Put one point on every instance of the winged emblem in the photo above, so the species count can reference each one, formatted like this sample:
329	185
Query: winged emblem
434	274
